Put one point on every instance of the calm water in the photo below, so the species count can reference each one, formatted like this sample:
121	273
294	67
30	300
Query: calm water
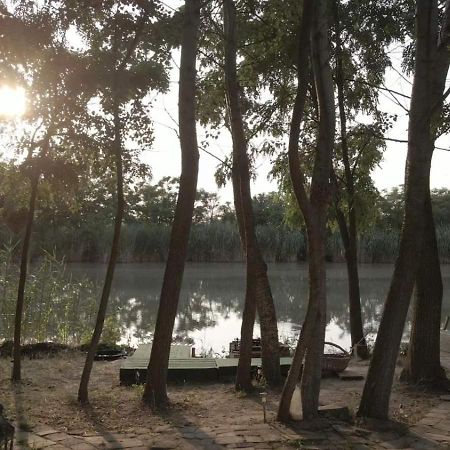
212	300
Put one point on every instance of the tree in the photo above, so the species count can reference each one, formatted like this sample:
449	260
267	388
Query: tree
34	53
155	391
121	88
159	201
258	287
423	363
432	58
314	208
363	34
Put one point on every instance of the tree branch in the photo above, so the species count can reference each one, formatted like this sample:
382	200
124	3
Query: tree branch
133	44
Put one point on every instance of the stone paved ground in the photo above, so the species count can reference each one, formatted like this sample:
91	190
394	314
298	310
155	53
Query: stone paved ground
433	431
244	428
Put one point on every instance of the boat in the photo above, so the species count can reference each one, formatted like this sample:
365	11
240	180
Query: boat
335	359
285	350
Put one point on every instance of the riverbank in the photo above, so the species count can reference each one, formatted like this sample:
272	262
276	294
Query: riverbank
45	405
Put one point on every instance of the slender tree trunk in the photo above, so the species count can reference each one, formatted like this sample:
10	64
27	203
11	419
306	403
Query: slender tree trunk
83	390
314	209
349	234
431	67
155	392
359	343
16	371
424	358
298	185
243	374
257	279
320	198
312	372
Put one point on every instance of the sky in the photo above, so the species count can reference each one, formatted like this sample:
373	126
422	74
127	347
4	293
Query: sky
165	157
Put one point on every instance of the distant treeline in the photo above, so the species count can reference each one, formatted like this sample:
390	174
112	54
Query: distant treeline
217	242
84	234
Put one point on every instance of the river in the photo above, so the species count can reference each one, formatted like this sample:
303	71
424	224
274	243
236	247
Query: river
212	298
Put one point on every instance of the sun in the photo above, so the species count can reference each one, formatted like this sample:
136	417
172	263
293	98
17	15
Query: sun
12	102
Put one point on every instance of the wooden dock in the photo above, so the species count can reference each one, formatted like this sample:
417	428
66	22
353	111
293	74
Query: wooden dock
184	367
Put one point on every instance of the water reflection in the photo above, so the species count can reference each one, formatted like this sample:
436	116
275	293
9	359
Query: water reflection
212	298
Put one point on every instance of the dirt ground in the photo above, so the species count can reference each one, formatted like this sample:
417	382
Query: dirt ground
47	395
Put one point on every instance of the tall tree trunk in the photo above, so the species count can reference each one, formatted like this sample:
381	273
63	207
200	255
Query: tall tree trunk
350	248
312	371
349	233
424	359
34	184
258	286
243	375
356	324
155	391
298	185
314	209
16	370
431	66
83	390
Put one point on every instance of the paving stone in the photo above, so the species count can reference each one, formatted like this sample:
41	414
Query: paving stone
422	444
260	427
162	428
147	438
253	438
96	440
111	437
225	440
42	443
130	442
239	448
211	446
33	441
241	445
56	437
343	429
59	447
403	442
227	433
242	427
164	444
76	433
141	430
22	435
43	430
384	436
69	441
438	437
82	446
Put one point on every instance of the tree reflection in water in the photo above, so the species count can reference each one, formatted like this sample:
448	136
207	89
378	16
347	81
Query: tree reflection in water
212	298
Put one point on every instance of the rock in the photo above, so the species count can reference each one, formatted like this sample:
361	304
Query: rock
336	412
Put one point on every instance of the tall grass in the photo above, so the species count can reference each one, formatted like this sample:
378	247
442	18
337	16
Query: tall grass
379	246
209	242
57	307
